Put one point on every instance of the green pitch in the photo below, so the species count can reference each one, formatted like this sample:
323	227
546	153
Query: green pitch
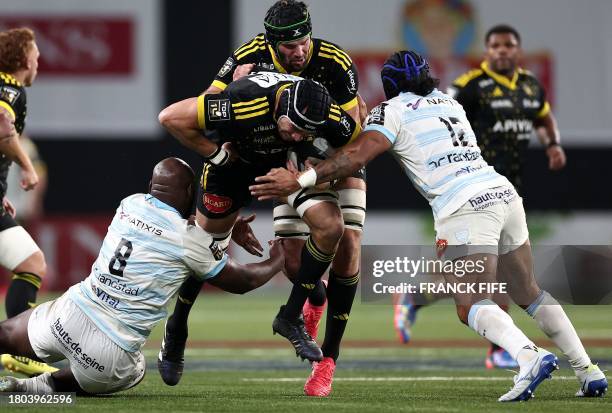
235	364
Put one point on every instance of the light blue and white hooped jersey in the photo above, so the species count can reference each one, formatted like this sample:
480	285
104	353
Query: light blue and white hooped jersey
148	252
435	144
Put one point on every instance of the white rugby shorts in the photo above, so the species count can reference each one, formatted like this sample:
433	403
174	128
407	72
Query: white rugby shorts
493	221
60	330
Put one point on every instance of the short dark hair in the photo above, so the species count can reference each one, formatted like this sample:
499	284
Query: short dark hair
407	71
502	29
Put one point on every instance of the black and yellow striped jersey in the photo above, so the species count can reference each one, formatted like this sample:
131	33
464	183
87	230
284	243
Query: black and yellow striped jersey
244	115
13	100
327	63
502	111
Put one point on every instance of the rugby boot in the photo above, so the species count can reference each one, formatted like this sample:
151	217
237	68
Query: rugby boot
593	382
320	381
404	317
295	332
312	316
530	376
10	384
24	365
171	358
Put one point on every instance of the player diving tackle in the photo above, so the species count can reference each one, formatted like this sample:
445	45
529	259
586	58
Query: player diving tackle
100	325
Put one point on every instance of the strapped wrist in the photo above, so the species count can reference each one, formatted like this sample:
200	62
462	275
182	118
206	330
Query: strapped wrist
308	179
218	157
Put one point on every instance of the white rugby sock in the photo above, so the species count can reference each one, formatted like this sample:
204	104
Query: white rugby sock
553	321
493	323
37	385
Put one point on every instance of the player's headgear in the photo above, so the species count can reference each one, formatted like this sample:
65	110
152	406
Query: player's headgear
286	21
306	103
402	71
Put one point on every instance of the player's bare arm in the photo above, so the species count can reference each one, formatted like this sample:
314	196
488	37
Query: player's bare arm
7	125
181	120
548	133
352	157
11	147
239	278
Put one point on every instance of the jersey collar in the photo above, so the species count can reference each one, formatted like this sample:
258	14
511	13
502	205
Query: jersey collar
11	77
159	204
280	67
501	79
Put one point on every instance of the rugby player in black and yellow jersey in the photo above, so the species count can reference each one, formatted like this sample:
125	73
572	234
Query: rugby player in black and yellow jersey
18	251
287	46
505	104
262	115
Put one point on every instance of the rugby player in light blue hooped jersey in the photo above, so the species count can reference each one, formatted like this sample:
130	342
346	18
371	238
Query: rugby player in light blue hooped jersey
100	324
478	216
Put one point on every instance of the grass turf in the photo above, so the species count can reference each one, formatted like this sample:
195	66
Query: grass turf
383	377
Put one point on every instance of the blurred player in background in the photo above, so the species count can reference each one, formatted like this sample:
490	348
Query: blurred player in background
29	205
504	104
429	134
18	251
287	46
101	324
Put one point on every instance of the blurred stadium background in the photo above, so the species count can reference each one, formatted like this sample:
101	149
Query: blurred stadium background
107	68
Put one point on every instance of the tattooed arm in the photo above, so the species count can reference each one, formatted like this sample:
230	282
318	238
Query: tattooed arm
352	157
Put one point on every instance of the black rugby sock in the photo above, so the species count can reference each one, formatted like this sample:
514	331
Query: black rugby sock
177	323
318	295
314	264
340	296
21	294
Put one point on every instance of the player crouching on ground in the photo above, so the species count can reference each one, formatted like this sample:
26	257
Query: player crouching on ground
101	324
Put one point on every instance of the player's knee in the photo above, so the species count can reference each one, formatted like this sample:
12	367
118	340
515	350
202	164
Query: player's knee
328	229
34	264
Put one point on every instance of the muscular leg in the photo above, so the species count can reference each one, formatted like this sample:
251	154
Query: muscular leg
552	320
326	229
14	336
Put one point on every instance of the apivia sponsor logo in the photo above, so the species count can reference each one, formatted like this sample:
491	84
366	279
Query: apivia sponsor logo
452	157
513	125
58	330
